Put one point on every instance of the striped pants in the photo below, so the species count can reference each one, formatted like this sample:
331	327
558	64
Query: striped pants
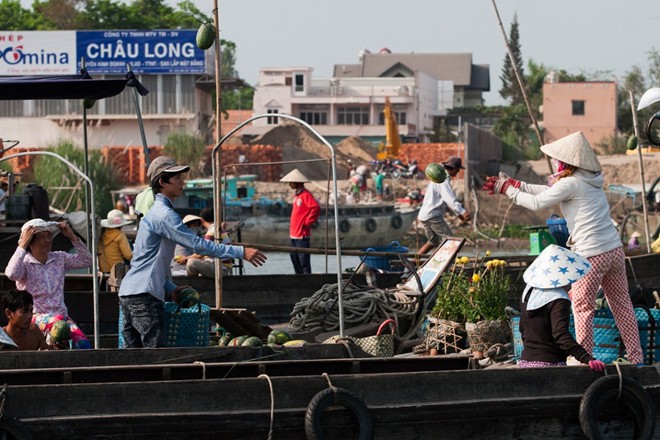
609	271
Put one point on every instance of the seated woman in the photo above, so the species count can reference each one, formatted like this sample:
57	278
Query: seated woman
114	246
17	306
39	270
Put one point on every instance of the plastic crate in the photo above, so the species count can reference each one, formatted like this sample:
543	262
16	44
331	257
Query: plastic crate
608	345
384	263
649	333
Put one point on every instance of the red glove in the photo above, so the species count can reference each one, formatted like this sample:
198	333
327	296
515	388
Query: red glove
597	365
489	184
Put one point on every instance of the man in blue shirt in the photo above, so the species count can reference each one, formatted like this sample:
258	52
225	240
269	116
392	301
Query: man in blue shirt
143	289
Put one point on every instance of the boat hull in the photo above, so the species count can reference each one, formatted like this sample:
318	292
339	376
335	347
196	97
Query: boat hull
359	228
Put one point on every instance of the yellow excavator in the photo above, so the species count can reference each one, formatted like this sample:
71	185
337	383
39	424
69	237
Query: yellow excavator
389	149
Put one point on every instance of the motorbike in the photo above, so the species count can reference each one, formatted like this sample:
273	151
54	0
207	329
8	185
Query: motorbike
409	171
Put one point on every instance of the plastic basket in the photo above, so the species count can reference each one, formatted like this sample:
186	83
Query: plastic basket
517	337
384	263
186	327
649	333
608	345
558	229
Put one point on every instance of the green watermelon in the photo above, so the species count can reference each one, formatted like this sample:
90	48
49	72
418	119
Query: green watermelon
632	142
205	35
237	341
88	103
188	297
279	337
60	332
224	340
252	341
435	172
295	343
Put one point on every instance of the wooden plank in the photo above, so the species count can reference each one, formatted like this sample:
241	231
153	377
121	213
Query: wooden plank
240	322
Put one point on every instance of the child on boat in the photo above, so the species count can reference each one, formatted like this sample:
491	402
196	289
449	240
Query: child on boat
545	310
17	305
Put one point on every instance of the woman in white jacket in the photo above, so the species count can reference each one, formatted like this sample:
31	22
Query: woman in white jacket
577	187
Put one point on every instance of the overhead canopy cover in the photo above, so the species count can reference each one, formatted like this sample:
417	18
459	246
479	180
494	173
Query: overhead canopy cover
81	86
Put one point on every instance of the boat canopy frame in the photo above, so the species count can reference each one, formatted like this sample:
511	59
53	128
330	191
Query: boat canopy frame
217	201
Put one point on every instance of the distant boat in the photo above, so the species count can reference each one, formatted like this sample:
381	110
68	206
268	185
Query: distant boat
266	220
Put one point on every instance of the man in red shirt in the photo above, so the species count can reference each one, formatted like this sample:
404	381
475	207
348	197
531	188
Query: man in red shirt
304	213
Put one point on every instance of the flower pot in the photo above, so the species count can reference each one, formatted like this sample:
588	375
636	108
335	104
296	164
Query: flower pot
484	334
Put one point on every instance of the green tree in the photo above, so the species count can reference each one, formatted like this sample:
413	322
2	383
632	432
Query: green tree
510	88
54	175
14	17
187	149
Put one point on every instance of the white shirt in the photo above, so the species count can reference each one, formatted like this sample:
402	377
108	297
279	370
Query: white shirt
437	198
584	206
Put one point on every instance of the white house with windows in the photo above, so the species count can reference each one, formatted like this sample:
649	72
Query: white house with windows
420	87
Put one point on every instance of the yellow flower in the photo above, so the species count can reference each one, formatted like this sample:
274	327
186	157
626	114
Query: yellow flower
488	253
476	278
465	260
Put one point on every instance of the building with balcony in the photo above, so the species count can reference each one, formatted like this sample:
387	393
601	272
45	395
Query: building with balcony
421	88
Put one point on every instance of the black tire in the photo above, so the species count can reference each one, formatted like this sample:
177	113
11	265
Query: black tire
371	225
344	226
397	222
633	396
338	396
13	429
276	208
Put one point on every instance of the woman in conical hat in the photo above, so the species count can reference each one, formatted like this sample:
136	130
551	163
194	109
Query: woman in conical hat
577	187
546	307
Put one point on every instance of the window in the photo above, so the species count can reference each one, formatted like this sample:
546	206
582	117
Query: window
353	116
399	117
271	120
300	83
287	81
314	118
578	108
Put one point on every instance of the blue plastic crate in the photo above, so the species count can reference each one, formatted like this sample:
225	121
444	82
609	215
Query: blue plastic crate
608	345
384	263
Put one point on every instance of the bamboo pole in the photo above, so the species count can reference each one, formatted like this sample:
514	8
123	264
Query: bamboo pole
537	130
217	168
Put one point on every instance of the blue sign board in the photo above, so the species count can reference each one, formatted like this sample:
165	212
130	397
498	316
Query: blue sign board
150	51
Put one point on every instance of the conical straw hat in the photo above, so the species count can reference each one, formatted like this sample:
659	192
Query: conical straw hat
575	150
556	267
295	176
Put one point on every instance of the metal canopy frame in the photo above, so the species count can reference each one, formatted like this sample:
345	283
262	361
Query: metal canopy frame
217	200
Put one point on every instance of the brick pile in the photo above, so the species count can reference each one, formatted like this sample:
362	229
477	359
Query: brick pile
23	165
427	153
253	154
128	162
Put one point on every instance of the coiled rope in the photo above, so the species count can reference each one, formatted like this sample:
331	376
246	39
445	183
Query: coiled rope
361	305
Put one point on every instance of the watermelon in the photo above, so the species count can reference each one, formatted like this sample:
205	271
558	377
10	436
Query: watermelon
60	332
279	337
295	343
205	35
88	103
237	341
188	297
252	341
224	340
435	172
632	142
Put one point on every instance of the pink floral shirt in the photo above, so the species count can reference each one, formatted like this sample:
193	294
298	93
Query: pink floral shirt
46	281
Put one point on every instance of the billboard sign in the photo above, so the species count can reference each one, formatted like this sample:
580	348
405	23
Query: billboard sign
159	51
24	53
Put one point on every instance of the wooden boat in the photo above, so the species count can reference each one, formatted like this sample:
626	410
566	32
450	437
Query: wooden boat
266	221
397	398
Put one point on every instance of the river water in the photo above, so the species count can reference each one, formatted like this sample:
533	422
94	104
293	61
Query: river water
280	263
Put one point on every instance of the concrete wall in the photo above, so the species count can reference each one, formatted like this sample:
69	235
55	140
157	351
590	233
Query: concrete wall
599	119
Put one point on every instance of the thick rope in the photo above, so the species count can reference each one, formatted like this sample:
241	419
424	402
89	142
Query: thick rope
272	403
361	305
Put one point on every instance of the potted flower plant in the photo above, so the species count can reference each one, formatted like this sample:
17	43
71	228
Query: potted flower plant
475	296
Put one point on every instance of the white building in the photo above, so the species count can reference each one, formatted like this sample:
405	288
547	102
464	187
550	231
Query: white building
420	87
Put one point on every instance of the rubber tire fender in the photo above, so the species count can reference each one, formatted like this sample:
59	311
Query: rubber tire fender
396	222
14	428
337	396
344	226
633	396
371	225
